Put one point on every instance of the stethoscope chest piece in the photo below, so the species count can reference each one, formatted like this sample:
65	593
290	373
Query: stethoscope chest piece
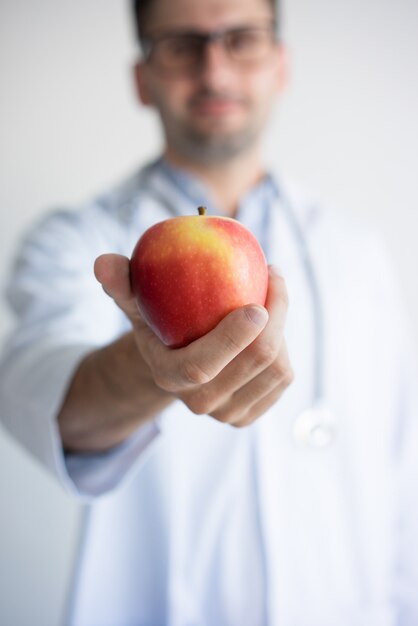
314	427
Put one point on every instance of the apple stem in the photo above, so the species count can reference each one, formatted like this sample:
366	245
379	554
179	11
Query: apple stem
202	210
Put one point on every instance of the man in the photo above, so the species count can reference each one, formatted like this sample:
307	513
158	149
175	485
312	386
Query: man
212	112
229	503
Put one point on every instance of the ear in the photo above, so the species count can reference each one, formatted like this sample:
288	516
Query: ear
141	84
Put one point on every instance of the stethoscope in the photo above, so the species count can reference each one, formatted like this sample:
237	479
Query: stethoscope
314	426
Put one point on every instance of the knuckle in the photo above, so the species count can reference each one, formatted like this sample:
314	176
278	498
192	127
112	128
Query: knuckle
277	371
199	403
192	374
233	416
281	373
288	376
242	424
264	354
231	344
226	416
195	406
163	381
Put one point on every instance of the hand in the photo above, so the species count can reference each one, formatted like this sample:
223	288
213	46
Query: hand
234	373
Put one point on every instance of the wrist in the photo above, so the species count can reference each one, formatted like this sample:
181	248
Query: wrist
128	380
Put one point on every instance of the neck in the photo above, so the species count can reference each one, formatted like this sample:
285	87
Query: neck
229	181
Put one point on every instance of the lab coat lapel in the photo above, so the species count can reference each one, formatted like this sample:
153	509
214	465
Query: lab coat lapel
301	489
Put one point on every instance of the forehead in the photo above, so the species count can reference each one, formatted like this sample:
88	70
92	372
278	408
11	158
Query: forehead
207	13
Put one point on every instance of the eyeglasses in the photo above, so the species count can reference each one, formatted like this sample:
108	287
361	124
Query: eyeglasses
184	51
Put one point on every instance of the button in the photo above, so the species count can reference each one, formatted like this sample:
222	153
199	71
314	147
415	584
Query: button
314	427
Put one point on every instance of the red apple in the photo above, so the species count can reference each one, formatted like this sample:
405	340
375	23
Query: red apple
188	273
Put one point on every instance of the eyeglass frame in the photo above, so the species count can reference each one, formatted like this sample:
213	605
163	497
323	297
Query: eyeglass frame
206	37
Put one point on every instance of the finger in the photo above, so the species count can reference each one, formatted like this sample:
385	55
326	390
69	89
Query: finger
112	271
203	401
264	404
266	347
261	407
258	356
277	304
280	373
203	359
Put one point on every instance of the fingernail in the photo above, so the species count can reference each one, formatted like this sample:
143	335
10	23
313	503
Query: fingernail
275	271
258	315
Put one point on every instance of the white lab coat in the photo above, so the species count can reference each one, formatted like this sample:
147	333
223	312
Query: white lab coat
194	523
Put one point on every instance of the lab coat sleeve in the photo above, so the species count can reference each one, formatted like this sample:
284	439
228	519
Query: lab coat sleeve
61	315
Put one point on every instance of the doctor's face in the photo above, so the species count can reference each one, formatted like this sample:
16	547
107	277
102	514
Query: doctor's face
212	69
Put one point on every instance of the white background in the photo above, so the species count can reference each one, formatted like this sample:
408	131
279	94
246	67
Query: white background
69	126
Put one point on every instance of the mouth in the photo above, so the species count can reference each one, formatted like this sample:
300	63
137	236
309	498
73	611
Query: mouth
216	106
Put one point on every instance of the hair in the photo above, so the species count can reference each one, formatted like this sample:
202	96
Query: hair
141	10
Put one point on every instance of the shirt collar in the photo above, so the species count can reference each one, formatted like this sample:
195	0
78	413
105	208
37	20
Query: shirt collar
199	194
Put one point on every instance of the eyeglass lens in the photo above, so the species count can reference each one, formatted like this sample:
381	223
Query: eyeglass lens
184	50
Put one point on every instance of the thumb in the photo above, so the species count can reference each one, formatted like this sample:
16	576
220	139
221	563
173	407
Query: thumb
210	354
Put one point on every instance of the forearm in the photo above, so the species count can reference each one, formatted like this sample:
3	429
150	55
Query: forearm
111	394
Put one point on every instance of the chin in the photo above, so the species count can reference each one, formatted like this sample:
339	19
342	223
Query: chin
213	149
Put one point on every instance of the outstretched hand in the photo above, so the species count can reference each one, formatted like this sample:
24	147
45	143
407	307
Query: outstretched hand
235	372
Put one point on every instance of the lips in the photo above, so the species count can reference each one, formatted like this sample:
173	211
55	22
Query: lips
216	105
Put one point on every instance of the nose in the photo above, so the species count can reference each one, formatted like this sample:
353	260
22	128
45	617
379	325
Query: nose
216	67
